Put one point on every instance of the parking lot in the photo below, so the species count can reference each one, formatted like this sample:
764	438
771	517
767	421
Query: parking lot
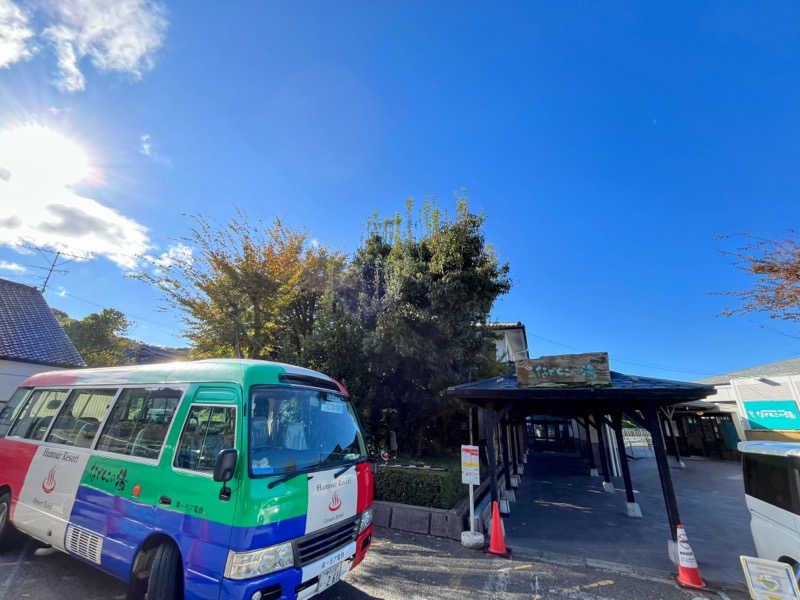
399	567
570	540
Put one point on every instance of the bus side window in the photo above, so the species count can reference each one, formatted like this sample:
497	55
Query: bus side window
767	478
208	429
138	423
78	421
11	409
35	417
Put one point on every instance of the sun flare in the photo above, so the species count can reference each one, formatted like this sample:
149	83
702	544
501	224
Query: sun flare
37	155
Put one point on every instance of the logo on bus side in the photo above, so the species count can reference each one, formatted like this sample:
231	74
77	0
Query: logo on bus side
335	503
49	483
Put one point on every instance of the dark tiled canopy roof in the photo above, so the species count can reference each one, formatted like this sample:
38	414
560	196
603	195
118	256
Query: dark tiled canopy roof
629	391
28	330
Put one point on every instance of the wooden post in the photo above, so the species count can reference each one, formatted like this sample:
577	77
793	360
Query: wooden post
514	448
598	423
632	508
672	432
590	450
670	501
504	452
492	459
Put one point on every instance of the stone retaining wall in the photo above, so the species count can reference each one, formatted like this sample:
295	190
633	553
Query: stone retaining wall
448	523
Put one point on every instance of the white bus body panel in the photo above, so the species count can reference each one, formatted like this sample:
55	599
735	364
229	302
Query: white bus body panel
46	498
775	530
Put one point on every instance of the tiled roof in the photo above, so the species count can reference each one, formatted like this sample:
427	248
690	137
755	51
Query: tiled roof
628	390
619	381
28	330
788	366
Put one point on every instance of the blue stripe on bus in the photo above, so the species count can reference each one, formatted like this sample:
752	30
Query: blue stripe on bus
203	543
261	536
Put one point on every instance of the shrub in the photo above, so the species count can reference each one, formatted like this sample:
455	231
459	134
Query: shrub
436	489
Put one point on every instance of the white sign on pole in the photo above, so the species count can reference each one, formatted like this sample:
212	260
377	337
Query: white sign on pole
470	465
769	579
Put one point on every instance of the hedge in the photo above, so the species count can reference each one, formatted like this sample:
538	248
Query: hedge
435	489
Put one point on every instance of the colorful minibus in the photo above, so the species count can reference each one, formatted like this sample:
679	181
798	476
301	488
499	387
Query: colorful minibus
219	478
772	493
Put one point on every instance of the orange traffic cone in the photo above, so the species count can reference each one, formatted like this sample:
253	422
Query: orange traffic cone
688	573
497	545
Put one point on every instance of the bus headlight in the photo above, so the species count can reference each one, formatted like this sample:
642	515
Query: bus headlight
366	519
243	565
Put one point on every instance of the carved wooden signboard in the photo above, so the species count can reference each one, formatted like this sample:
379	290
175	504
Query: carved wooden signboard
590	368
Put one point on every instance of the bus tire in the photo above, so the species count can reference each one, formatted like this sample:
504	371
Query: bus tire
164	582
8	535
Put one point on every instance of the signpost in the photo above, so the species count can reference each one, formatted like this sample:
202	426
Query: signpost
769	579
772	414
471	475
590	368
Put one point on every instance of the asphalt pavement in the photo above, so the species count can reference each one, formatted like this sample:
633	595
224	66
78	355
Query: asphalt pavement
399	566
561	509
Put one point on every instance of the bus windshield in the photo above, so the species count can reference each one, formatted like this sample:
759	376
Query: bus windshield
293	428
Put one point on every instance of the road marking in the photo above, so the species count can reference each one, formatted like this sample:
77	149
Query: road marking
587	586
517	568
497	583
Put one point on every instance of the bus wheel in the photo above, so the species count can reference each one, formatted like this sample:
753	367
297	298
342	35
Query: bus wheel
7	533
165	574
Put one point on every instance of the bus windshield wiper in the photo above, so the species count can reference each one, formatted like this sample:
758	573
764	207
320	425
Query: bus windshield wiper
287	477
344	468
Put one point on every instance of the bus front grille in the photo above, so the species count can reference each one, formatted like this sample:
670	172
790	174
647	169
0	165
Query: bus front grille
316	545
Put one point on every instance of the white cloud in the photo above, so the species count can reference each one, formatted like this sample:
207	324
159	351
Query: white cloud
78	226
38	206
115	35
177	253
62	291
150	150
11	266
15	34
144	144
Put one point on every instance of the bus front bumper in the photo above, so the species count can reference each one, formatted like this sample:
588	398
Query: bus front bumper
294	584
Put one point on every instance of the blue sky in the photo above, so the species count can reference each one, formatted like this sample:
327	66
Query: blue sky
607	145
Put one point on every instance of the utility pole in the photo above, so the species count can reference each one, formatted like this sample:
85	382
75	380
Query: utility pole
50	271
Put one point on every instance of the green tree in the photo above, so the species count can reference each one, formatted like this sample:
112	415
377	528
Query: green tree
98	336
247	289
406	311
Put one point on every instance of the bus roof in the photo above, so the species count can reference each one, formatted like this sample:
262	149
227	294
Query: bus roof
770	448
211	370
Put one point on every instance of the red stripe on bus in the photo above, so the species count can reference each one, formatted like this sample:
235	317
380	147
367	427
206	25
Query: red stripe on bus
342	389
365	482
50	378
15	458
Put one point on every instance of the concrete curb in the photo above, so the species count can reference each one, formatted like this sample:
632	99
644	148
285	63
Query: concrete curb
438	522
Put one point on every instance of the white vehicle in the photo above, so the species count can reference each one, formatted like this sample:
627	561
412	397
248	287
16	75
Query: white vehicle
772	492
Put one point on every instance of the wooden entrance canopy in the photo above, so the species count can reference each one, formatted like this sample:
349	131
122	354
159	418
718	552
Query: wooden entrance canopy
642	399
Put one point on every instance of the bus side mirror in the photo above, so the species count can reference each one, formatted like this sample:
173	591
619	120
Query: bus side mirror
223	470
226	463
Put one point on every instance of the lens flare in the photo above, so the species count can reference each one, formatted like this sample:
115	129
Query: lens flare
39	156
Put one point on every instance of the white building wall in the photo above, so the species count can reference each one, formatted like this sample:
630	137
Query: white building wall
12	373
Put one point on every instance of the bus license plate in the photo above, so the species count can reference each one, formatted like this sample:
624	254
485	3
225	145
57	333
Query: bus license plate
329	576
